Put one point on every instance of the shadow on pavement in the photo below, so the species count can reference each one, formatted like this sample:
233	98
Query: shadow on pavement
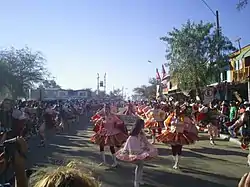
155	178
200	154
216	151
60	145
199	172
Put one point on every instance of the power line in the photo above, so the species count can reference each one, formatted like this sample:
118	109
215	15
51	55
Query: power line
208	7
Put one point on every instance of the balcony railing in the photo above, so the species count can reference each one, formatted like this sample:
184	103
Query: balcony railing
241	75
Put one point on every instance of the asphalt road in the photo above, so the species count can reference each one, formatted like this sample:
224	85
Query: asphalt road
202	165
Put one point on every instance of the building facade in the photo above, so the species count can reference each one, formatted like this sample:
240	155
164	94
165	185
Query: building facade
240	64
56	93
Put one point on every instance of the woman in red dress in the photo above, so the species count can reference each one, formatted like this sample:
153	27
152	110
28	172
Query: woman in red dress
109	134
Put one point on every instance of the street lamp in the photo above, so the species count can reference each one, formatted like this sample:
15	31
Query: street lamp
158	86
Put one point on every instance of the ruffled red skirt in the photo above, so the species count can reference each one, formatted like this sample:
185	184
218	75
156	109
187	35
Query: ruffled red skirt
153	124
175	138
111	140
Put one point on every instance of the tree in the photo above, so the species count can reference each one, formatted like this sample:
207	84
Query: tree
7	79
147	91
195	55
24	69
241	4
50	84
116	93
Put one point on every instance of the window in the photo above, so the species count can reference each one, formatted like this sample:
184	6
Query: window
82	94
237	65
224	76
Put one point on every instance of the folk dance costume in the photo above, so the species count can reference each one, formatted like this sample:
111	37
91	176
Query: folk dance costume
139	110
244	123
96	119
178	135
49	123
129	109
109	133
114	109
145	109
137	149
208	118
155	121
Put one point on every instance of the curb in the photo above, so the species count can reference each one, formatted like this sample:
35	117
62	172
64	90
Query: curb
222	136
227	137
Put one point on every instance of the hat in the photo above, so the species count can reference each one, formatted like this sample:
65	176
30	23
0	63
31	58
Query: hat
247	109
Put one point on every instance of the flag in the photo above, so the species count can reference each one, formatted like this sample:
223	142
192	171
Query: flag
163	72
158	77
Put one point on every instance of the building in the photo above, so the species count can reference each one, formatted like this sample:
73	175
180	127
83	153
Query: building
226	75
240	72
240	64
56	93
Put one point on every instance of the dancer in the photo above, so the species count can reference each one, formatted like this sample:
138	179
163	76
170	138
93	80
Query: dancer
109	134
156	117
129	109
177	136
208	118
137	149
48	123
97	121
244	123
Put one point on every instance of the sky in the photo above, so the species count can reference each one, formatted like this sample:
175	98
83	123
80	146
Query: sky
80	38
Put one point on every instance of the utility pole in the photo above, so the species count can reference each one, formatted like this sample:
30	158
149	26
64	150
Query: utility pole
123	92
218	33
238	41
216	14
105	83
218	40
217	23
98	86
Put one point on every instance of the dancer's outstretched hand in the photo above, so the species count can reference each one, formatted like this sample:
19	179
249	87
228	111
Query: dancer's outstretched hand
245	180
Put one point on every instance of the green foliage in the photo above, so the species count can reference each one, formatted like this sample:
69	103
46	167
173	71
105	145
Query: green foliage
147	91
196	54
50	84
116	93
241	4
20	70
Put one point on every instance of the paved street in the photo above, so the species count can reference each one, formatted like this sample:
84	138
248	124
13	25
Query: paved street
202	165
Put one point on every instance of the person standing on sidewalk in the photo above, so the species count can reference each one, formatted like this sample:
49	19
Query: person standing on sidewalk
232	118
